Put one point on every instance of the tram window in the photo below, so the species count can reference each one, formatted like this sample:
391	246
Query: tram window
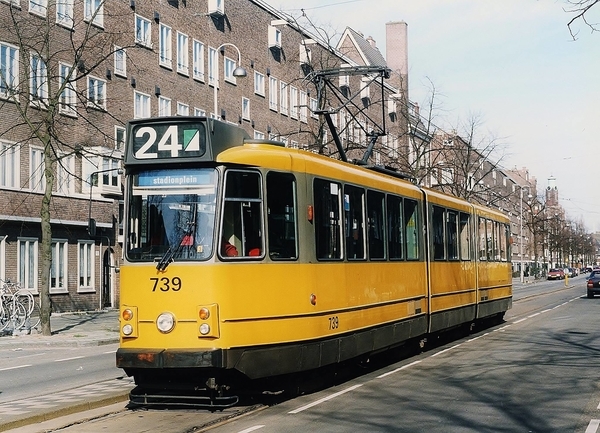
376	232
354	222
482	239
505	246
452	235
241	224
327	214
281	216
437	230
395	227
465	238
498	232
489	230
411	229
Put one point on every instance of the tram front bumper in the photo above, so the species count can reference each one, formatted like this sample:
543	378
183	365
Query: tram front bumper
166	358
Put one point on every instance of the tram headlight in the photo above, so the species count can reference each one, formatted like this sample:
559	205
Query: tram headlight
165	322
127	329
127	314
204	328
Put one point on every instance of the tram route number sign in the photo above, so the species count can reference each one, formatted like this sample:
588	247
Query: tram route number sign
165	141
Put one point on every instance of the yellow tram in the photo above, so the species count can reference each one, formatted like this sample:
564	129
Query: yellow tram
244	259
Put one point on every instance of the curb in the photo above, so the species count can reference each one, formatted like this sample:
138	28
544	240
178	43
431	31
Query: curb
65	411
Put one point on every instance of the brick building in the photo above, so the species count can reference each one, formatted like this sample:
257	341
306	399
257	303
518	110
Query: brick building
77	71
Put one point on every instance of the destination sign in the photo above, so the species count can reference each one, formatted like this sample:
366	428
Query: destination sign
165	141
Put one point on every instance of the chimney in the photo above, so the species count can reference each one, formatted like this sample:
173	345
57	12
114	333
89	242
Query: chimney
371	42
396	42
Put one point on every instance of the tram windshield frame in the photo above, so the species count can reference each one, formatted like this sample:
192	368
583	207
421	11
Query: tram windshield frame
171	215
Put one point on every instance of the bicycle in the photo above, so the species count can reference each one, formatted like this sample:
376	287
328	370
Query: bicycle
17	307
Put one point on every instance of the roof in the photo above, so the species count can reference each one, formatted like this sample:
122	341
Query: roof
370	54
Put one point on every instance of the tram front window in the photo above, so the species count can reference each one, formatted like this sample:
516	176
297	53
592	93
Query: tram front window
171	216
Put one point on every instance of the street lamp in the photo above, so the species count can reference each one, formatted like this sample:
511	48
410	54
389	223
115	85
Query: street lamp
238	72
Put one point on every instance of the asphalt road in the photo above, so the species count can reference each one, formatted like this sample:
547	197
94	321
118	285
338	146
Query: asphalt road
534	373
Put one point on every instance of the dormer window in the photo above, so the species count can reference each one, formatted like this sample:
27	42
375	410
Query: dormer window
305	54
216	7
274	37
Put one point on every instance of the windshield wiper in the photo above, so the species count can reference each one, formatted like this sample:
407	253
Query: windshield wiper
186	240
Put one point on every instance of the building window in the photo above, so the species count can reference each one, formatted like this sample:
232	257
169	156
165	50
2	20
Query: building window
27	263
85	274
93	11
2	258
230	66
65	168
96	93
165	57
303	107
68	97
9	70
58	267
141	105
314	106
283	98
38	80
119	138
164	106
245	108
36	170
9	165
259	135
259	83
198	60
293	102
199	112
183	65
273	100
212	66
120	62
64	13
143	32
38	7
183	109
111	179
101	173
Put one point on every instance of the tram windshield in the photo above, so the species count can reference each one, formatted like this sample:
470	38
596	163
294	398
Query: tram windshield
171	215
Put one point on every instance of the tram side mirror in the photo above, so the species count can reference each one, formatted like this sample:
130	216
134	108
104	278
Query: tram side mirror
91	227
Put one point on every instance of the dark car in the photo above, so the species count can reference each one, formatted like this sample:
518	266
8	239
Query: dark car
556	274
593	284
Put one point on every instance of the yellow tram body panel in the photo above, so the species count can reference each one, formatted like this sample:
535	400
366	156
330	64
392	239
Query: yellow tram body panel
262	305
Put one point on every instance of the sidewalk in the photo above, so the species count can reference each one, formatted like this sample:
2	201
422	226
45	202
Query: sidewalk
90	328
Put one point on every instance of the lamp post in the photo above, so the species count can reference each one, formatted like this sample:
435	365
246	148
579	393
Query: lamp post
521	233
238	72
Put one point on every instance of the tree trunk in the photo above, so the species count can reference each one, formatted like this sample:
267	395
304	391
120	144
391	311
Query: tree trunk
46	244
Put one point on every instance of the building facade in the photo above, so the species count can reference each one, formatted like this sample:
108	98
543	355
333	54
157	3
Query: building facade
76	71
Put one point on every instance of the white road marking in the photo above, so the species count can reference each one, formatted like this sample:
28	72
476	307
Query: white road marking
445	350
593	426
15	367
248	430
397	370
314	403
69	359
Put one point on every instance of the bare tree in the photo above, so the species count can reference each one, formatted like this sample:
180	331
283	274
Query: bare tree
47	98
580	11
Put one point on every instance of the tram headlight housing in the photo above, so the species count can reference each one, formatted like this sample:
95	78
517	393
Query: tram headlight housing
129	322
207	320
165	322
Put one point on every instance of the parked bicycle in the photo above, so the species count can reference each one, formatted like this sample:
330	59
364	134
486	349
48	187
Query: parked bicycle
18	307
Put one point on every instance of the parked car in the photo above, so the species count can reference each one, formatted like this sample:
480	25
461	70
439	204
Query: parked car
593	284
556	274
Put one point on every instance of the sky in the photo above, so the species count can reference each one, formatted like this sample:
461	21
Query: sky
512	64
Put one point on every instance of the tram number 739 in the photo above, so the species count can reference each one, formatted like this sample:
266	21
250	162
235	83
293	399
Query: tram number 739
165	284
334	322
